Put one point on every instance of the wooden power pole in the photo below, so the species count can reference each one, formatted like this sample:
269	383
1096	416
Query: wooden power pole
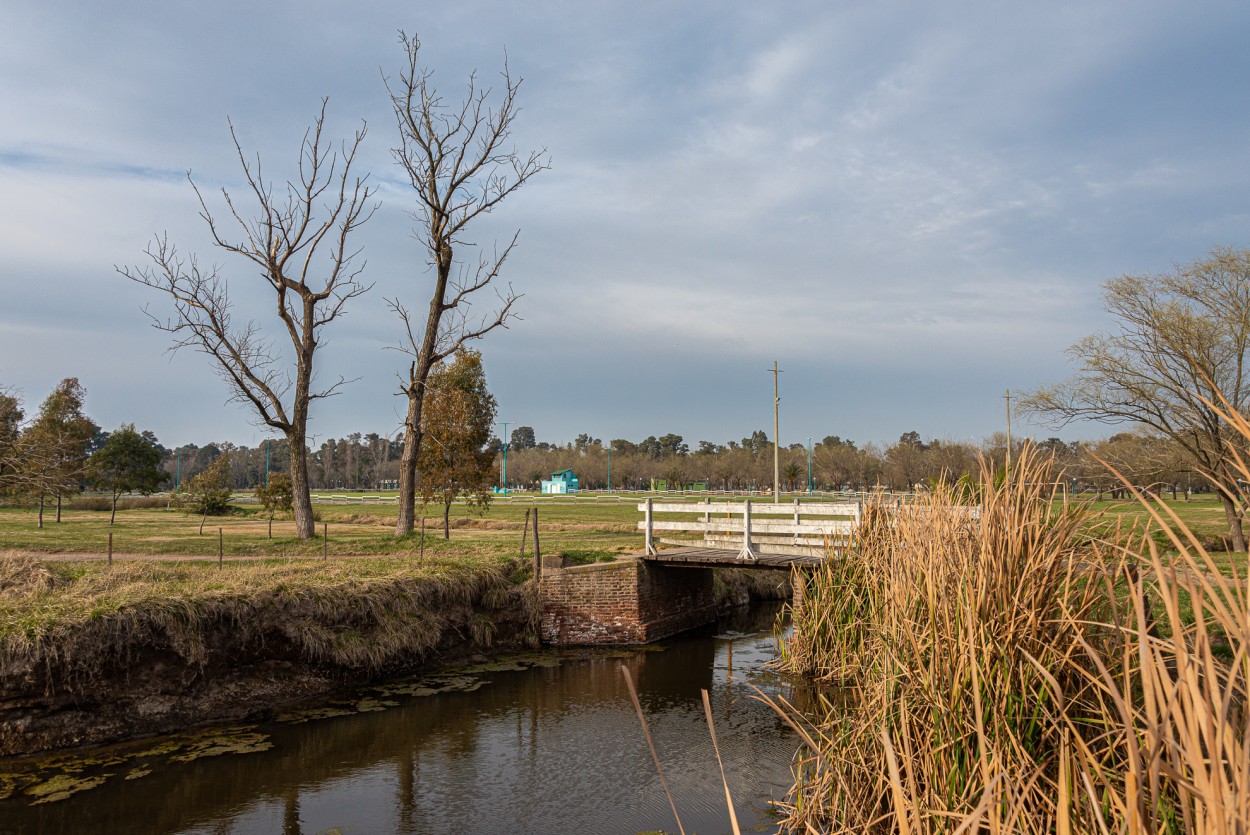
776	437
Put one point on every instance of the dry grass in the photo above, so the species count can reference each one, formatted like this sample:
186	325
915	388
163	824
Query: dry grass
68	623
1015	675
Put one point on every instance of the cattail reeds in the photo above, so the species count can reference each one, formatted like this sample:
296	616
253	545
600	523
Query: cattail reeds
1007	674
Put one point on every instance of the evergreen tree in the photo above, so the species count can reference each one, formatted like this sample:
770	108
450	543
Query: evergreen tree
128	462
53	449
459	412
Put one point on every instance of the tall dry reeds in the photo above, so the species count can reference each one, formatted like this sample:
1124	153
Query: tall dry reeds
1011	672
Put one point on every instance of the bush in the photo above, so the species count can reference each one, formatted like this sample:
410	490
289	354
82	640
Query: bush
104	504
208	494
277	495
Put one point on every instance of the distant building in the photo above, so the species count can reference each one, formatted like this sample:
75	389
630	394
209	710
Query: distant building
565	481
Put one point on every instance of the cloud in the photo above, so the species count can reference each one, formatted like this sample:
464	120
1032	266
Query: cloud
919	203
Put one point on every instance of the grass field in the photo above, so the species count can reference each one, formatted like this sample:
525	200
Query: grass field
358	524
364	527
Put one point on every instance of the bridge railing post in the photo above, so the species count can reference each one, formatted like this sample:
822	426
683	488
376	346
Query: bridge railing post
747	552
650	518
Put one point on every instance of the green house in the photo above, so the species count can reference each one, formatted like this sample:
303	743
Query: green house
564	481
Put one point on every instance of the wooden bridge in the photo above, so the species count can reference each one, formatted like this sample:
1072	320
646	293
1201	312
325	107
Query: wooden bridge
749	534
663	591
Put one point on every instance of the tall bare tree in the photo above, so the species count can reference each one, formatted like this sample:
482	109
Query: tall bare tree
300	239
1183	341
460	161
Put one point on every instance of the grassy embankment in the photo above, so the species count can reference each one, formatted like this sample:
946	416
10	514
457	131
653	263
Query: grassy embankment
68	618
1049	669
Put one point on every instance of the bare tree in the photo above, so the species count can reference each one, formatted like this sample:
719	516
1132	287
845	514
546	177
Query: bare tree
300	239
461	164
1183	343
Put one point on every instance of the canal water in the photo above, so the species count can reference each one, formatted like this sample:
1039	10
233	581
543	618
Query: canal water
544	742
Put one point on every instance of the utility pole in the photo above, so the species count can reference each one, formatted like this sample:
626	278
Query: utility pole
609	467
776	437
503	472
1007	397
266	462
178	475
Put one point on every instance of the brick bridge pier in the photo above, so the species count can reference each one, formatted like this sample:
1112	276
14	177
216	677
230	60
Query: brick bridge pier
634	600
629	601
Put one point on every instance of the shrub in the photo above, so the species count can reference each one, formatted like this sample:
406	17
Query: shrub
277	495
103	503
208	494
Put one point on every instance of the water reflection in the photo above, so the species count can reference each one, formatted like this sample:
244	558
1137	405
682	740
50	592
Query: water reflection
555	747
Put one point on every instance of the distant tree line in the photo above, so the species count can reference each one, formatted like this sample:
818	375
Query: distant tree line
910	463
59	452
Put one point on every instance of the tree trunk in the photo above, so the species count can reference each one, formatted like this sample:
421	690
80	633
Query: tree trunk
446	519
58	507
301	502
418	372
41	511
113	515
408	468
1236	538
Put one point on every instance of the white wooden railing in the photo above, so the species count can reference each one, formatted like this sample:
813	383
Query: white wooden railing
807	529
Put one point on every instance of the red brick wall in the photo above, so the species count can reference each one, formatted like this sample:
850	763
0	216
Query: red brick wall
624	602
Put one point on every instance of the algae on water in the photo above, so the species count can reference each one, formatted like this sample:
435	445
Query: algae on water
62	786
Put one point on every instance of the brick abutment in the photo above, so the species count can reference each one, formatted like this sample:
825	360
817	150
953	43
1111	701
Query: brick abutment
629	601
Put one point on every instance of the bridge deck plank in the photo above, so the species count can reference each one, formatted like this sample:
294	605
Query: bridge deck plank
718	557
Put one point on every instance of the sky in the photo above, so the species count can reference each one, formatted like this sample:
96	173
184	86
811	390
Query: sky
910	207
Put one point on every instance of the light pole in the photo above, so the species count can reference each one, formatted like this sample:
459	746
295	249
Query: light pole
609	468
503	473
266	462
809	466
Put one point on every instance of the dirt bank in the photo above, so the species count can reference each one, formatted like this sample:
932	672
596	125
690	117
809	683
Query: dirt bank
92	654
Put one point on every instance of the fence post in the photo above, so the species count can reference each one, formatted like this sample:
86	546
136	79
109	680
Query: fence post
110	547
325	540
796	521
538	560
650	524
537	551
525	532
747	553
220	549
